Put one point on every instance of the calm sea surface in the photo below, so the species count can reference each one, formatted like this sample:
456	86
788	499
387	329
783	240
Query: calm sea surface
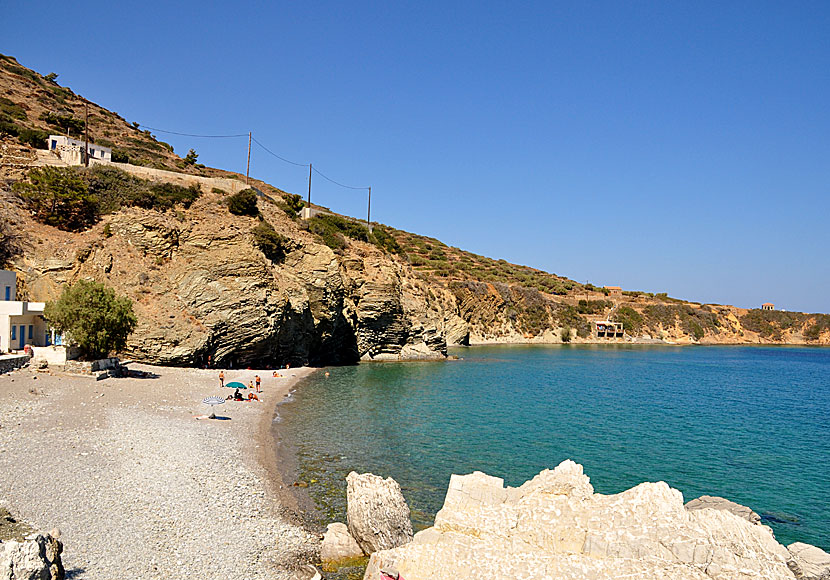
748	423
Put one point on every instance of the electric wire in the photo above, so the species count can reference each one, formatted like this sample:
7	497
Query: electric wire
317	171
335	182
193	135
277	156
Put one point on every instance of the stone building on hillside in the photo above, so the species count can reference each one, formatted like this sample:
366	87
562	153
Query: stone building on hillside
73	151
767	306
614	291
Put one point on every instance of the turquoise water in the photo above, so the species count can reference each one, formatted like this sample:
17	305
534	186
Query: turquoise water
748	423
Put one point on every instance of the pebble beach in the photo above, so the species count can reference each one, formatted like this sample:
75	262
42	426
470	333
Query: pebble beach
139	486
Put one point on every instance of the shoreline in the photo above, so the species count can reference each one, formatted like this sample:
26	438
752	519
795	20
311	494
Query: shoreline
138	486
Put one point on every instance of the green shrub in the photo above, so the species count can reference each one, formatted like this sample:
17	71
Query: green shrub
9	243
59	197
565	333
191	157
93	316
65	123
385	241
631	319
11	109
333	230
270	243
292	204
33	137
593	306
219	191
120	156
243	203
162	196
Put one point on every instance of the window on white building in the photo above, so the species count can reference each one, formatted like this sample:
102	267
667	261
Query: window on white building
14	332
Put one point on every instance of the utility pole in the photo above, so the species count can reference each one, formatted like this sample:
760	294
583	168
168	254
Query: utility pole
369	212
248	169
86	134
309	186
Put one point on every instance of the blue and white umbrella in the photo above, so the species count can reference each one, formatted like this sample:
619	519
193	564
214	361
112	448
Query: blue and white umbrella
213	401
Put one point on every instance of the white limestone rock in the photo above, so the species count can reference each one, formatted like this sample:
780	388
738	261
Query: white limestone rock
809	562
377	513
338	544
720	503
555	526
36	558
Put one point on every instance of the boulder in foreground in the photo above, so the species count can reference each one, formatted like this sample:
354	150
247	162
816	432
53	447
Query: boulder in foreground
377	512
555	526
809	562
338	544
38	558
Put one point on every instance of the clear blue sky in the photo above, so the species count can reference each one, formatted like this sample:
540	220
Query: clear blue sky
679	147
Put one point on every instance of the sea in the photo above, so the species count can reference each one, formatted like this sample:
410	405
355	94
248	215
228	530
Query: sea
751	424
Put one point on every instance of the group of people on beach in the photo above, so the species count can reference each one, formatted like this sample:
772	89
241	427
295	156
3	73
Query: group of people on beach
255	384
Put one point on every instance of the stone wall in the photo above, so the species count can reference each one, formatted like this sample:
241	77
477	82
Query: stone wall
11	362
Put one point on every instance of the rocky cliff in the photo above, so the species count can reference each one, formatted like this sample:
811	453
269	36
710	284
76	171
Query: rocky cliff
203	289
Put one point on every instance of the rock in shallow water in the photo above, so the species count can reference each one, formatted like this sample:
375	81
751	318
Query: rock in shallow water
555	526
719	503
338	544
377	512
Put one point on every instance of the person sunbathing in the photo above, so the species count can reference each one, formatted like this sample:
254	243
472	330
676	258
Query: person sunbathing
252	397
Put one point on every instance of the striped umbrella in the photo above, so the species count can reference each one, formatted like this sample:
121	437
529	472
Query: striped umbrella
213	401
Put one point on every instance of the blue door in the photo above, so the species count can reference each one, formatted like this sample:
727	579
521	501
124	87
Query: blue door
22	336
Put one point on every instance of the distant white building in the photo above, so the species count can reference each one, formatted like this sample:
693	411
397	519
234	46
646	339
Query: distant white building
21	323
73	151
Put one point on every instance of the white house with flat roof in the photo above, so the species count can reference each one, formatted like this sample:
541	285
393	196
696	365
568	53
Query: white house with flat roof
72	151
21	323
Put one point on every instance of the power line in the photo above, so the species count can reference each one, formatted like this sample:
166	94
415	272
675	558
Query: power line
192	135
337	183
278	157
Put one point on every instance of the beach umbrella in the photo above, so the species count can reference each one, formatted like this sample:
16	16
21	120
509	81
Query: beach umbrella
236	385
213	401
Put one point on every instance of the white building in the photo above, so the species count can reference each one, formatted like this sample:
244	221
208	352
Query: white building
73	151
21	323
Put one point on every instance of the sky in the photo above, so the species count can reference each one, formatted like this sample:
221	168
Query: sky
679	147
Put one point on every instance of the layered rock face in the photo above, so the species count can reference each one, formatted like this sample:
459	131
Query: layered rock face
201	288
555	526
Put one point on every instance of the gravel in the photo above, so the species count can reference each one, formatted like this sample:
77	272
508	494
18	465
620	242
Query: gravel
137	486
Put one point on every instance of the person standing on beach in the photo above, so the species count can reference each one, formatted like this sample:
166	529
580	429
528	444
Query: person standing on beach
258	381
221	379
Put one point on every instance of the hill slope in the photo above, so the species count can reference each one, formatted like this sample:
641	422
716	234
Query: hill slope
327	291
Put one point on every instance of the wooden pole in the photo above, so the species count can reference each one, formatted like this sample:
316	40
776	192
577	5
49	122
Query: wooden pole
309	186
248	169
86	134
369	212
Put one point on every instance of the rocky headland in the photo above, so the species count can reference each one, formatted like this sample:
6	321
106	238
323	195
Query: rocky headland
340	293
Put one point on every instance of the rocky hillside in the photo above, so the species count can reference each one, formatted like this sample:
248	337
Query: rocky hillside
204	285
